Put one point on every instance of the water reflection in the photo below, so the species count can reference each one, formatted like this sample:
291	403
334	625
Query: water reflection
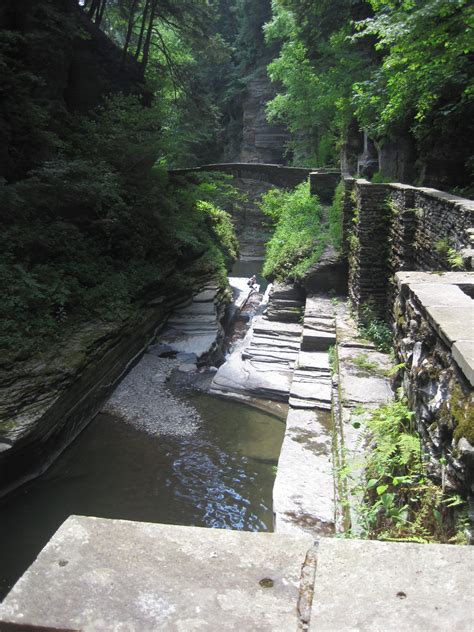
221	477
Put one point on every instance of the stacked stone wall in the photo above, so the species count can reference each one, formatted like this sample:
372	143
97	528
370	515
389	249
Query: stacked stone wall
434	343
394	227
369	248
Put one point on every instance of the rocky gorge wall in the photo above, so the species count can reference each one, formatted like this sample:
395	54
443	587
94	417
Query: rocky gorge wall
46	401
261	141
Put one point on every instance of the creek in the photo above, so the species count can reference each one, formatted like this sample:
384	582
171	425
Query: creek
221	476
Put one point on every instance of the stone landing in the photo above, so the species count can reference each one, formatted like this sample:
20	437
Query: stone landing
99	575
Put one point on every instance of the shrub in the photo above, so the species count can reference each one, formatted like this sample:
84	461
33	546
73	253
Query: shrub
298	239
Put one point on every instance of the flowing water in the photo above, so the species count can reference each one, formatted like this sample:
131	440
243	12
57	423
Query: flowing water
220	477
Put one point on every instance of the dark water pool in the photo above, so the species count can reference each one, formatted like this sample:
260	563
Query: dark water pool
220	477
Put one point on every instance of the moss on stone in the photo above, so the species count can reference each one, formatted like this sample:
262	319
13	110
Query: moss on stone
463	414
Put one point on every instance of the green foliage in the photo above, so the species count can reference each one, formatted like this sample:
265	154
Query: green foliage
398	501
298	240
362	361
379	178
93	232
392	69
375	330
317	65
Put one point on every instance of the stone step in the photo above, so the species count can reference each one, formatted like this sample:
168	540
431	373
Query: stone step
316	390
275	328
317	340
313	360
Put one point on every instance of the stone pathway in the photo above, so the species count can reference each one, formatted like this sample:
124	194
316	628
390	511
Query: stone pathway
362	385
303	494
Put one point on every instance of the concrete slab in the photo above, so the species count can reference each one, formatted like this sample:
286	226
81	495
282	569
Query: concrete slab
453	325
97	574
367	586
303	494
463	355
439	294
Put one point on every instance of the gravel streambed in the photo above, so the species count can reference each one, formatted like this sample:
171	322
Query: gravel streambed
144	400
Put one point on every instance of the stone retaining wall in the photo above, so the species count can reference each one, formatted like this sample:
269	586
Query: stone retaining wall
434	338
392	227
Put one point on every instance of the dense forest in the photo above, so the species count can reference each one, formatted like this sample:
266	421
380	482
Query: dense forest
101	97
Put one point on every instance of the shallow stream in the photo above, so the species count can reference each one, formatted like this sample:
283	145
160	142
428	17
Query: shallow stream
222	476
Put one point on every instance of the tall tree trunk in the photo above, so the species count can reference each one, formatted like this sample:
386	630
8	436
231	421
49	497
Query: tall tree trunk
93	8
131	19
100	12
142	29
146	46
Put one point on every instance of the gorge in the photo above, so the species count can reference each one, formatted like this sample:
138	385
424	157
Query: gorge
182	450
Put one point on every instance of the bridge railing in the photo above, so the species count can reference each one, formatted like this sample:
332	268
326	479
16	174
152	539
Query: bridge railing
323	181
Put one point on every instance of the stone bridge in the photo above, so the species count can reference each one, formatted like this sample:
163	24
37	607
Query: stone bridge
323	181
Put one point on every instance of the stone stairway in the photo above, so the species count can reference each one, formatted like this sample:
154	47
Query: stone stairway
303	494
262	367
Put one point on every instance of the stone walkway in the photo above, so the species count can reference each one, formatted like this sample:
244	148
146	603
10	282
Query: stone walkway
303	494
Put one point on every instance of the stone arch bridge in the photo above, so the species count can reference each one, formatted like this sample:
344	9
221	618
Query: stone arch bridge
323	181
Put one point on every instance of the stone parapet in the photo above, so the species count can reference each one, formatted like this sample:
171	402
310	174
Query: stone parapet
393	227
434	338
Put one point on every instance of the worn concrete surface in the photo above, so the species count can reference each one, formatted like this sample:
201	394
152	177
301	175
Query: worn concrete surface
367	586
303	493
98	575
114	575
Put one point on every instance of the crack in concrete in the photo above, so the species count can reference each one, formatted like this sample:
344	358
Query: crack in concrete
306	591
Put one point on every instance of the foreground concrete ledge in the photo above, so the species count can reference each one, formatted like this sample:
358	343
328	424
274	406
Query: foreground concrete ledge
368	586
97	574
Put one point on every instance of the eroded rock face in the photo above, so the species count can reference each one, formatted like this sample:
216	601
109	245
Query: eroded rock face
262	141
45	402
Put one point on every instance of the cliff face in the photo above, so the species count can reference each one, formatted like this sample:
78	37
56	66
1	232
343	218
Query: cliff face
56	61
262	141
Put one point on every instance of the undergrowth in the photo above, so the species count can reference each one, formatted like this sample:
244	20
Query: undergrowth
395	499
298	239
375	330
95	231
